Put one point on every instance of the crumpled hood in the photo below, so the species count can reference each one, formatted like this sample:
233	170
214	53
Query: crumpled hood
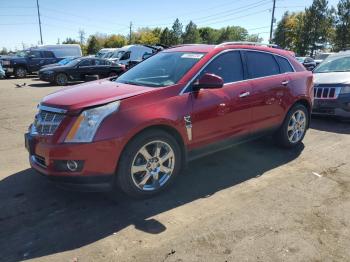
93	93
332	78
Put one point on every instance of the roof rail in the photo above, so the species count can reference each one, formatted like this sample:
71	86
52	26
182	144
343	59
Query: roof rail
247	43
175	46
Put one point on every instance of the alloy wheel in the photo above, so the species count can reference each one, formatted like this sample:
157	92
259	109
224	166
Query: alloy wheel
153	165
61	79
296	126
21	72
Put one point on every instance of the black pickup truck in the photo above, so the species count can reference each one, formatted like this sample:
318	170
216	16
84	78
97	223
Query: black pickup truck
27	62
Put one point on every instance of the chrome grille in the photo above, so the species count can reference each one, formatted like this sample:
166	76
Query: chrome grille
326	92
46	122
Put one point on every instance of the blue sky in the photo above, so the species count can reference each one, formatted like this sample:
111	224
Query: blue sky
64	18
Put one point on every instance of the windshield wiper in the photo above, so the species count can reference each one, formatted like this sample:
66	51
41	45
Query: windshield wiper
130	83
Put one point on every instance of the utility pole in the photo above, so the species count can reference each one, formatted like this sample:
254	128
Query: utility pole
130	32
41	36
272	20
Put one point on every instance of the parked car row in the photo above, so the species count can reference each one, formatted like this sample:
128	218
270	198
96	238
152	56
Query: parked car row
31	60
80	69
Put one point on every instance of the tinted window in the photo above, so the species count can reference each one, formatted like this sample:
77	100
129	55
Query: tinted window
86	62
228	66
261	64
100	62
36	54
125	56
284	65
48	54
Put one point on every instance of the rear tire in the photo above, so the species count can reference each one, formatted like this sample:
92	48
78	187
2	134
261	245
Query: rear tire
294	127
143	174
61	79
20	72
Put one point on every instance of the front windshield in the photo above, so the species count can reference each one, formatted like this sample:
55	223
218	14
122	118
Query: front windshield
22	53
334	65
107	55
162	69
117	54
64	61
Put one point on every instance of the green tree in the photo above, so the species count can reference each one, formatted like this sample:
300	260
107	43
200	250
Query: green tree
209	35
3	51
191	34
176	32
70	40
342	26
165	37
114	41
93	46
233	33
318	22
254	38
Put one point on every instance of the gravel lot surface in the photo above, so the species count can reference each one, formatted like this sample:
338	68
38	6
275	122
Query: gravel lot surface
254	202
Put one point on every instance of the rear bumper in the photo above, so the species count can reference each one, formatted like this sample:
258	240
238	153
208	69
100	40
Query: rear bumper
339	107
98	163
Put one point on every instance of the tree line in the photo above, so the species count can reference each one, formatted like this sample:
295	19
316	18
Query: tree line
317	27
177	34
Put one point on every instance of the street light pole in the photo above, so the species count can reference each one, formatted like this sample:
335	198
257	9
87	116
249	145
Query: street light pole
272	20
41	36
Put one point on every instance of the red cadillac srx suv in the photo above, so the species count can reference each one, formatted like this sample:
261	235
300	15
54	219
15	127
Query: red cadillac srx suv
138	130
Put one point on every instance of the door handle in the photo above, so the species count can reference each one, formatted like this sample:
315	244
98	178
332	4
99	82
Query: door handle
284	83
245	94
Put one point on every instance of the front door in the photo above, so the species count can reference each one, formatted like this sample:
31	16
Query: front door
85	67
225	112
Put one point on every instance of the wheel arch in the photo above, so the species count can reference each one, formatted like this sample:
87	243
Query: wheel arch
166	128
305	102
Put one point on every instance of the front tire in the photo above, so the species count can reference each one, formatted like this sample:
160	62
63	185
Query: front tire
294	127
61	79
149	164
20	72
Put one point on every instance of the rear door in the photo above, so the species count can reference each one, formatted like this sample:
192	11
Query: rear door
224	112
49	57
269	88
101	68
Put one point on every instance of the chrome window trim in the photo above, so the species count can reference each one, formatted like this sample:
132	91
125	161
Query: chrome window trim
52	109
233	50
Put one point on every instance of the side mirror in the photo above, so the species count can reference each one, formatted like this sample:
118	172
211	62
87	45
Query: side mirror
208	81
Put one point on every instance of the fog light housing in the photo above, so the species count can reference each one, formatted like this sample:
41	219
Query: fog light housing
68	165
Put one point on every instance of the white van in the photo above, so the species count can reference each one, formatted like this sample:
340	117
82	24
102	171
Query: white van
132	53
104	51
64	50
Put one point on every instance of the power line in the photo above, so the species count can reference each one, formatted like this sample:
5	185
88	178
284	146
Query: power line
226	13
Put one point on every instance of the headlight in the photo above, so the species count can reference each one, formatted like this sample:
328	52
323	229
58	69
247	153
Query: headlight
345	90
86	125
